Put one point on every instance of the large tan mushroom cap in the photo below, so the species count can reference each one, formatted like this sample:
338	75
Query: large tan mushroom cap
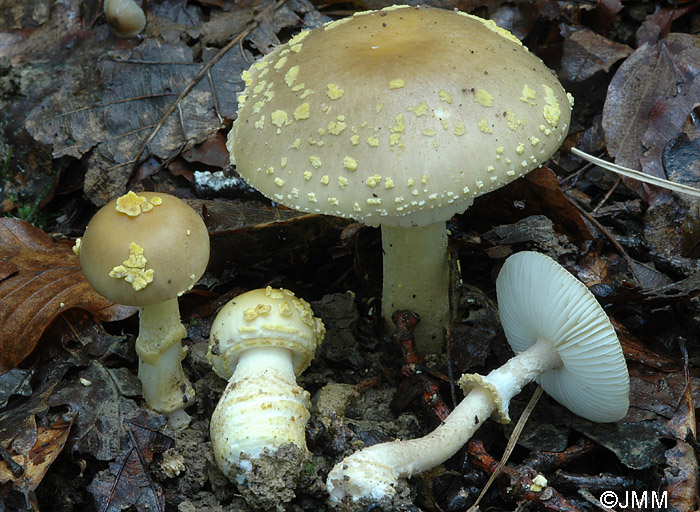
389	116
161	233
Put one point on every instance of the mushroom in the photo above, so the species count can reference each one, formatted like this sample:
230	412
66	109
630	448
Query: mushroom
260	341
126	17
398	118
563	340
146	250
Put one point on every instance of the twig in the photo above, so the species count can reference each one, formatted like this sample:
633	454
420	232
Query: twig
607	195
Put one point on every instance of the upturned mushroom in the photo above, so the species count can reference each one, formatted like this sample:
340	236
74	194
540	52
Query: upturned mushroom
260	341
398	118
563	340
146	250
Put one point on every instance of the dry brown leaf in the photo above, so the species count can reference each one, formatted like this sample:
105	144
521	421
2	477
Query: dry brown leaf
49	443
45	281
586	53
128	483
648	100
658	24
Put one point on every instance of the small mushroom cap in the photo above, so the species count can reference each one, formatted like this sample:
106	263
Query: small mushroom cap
125	16
396	117
268	317
539	299
163	240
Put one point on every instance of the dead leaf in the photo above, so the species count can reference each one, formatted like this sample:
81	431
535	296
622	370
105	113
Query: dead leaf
48	445
14	382
680	155
128	483
18	423
538	193
211	152
586	53
648	100
110	116
47	282
14	15
657	24
102	411
682	472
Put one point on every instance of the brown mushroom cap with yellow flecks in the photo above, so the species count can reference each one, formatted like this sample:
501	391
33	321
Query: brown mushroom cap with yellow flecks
144	248
397	117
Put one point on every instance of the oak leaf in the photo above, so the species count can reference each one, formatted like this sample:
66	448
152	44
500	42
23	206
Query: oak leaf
40	279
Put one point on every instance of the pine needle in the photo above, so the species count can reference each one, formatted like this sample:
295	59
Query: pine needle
637	175
514	436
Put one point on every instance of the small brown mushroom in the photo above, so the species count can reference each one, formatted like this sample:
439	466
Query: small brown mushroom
146	250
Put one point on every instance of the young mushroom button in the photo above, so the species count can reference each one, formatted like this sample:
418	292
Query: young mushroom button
260	341
125	16
563	340
384	118
146	250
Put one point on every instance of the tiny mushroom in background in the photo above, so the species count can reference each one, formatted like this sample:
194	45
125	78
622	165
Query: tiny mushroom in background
563	340
398	118
146	250
126	17
260	341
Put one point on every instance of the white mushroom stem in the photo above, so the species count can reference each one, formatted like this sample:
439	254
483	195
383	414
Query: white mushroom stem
373	472
261	409
159	347
416	278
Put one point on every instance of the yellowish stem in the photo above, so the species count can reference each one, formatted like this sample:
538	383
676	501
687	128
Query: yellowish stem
416	278
159	346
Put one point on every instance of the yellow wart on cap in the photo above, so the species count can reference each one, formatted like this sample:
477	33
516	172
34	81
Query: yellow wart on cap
334	91
396	83
280	63
445	96
133	270
291	75
528	95
302	112
279	118
349	163
133	205
315	161
551	110
491	25
484	98
373	181
419	110
484	126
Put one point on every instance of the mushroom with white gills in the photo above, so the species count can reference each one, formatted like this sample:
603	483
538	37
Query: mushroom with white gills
398	118
563	340
147	250
260	341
